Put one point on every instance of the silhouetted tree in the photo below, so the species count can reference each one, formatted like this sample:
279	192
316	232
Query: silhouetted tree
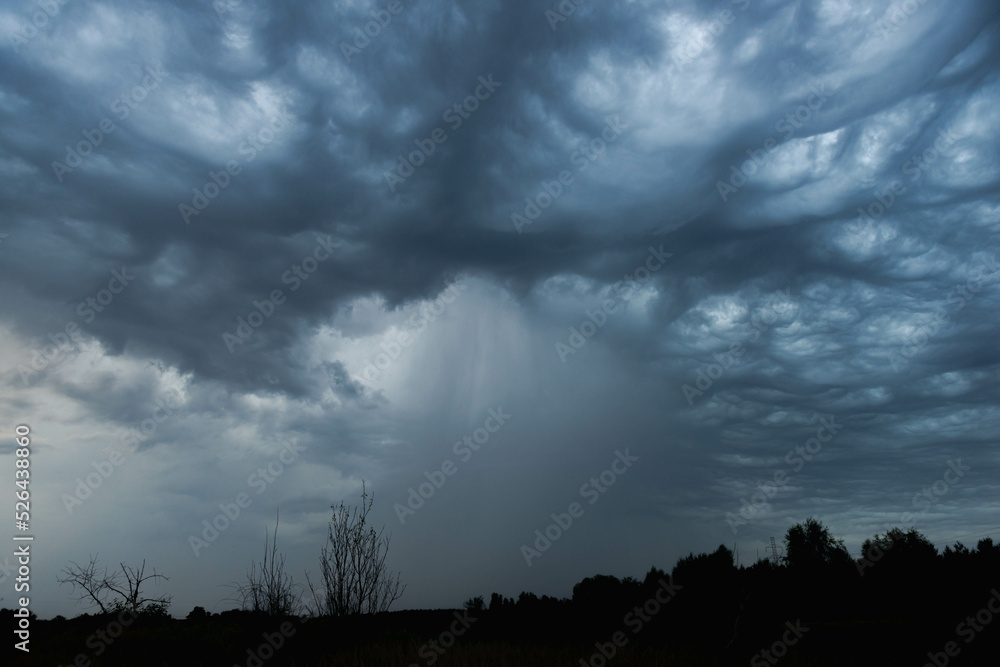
116	591
986	557
598	591
652	578
720	565
198	614
986	547
810	545
710	587
956	555
526	600
355	578
899	550
268	588
499	602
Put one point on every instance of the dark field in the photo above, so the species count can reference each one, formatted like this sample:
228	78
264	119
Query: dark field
898	612
401	639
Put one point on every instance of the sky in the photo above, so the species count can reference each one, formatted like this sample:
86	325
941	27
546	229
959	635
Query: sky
643	277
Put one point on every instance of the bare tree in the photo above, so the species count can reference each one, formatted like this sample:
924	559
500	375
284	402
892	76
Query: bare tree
268	587
355	579
115	591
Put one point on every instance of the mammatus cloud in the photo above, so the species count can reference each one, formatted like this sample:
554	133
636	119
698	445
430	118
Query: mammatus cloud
696	232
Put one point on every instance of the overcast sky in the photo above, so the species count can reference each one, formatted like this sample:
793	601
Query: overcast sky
742	254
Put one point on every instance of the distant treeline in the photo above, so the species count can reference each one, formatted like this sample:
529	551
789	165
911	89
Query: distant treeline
900	602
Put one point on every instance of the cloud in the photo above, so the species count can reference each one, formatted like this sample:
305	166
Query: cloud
848	254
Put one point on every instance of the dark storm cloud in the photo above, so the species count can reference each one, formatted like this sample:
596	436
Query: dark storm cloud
822	175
